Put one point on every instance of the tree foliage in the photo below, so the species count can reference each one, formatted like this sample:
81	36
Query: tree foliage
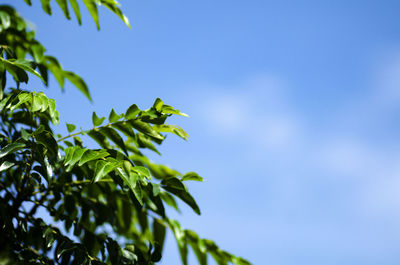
108	203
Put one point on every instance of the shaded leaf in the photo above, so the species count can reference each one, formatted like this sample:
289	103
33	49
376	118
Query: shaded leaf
10	148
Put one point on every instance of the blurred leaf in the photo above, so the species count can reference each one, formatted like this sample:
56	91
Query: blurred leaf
92	8
75	7
6	165
70	127
64	7
191	176
77	81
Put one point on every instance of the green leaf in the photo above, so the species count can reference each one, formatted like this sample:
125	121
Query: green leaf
159	232
55	67
77	81
177	130
145	128
5	19
198	247
46	139
99	138
24	65
46	6
132	112
102	168
184	196
38	52
113	6
113	135
96	120
92	8
144	142
169	199
180	239
130	179
191	176
75	157
174	183
91	155
10	148
38	103
114	117
70	127
64	7
75	7
170	110
142	171
158	104
6	165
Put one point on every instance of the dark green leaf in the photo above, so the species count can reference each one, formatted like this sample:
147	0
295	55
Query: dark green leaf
99	138
113	136
10	148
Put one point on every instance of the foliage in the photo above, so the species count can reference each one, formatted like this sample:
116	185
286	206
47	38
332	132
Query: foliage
107	203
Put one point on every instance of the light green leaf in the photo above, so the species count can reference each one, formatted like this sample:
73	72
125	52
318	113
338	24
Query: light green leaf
96	120
77	12
77	81
132	112
5	19
158	104
142	171
191	176
91	155
64	7
177	130
113	6
70	127
114	117
6	165
46	6
166	109
92	7
38	52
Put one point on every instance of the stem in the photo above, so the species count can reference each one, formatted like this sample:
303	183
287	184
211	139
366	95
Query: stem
69	135
80	182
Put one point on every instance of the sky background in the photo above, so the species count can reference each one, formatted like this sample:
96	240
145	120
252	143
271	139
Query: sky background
294	116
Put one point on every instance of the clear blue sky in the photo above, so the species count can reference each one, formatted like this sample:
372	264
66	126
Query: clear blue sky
294	116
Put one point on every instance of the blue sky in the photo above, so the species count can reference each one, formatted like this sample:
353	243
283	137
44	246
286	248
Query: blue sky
294	110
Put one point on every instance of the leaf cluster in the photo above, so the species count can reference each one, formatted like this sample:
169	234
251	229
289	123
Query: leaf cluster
108	203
